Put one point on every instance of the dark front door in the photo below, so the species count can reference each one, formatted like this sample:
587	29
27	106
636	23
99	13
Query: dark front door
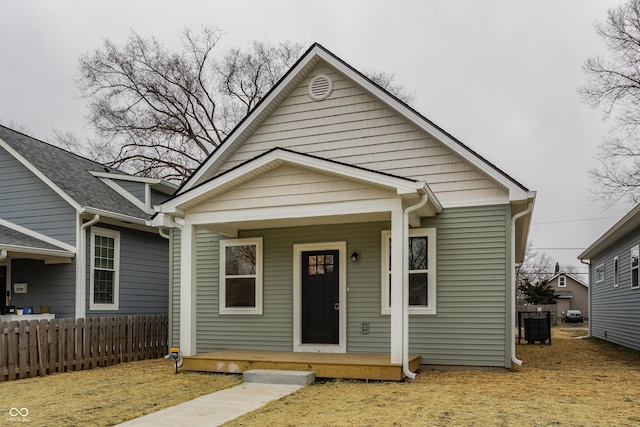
320	297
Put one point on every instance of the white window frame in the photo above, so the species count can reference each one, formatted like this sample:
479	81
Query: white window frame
635	250
257	310
430	309
562	281
616	271
600	273
114	234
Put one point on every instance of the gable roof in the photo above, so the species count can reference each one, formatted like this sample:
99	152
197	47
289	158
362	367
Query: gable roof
627	224
17	239
315	55
75	178
279	156
562	273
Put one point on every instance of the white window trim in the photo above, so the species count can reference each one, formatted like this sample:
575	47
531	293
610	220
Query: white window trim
430	309
637	267
257	310
598	278
114	234
616	271
562	281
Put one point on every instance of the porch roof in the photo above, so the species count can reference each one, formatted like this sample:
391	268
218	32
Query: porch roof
408	190
22	245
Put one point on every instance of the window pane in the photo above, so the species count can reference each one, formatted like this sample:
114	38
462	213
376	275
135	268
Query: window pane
240	260
418	289
103	287
240	292
634	256
418	253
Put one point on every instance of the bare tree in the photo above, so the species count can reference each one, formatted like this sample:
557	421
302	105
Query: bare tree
164	112
614	86
537	267
388	82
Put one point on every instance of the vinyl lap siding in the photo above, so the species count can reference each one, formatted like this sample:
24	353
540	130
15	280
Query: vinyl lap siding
33	204
143	276
352	127
472	290
616	311
470	327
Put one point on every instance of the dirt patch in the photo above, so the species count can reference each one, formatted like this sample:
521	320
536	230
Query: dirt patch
570	383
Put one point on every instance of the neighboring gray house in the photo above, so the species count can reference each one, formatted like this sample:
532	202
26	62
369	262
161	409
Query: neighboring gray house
614	306
76	236
330	201
572	293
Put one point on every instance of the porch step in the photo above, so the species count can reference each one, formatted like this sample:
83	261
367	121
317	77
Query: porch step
272	376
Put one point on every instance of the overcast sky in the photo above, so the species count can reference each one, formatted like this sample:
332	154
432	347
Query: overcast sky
499	75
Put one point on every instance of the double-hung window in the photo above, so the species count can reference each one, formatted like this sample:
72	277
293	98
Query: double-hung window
635	252
241	276
562	282
105	266
600	273
422	271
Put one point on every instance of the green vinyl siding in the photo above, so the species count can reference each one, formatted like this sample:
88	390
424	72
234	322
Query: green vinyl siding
174	288
473	292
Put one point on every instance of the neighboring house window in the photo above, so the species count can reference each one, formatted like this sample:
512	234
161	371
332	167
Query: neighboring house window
600	273
562	282
616	272
635	251
422	271
105	269
241	276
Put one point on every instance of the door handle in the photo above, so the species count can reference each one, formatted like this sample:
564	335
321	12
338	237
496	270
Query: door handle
336	306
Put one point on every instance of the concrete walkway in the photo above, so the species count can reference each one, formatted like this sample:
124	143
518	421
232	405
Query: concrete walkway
216	408
260	387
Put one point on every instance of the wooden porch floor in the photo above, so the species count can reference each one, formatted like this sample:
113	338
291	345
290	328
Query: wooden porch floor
323	365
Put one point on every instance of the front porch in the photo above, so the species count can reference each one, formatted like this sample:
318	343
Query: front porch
324	365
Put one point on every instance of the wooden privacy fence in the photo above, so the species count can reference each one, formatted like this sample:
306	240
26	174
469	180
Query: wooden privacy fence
30	348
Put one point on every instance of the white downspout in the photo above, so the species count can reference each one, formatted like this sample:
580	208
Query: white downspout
517	216
81	285
405	285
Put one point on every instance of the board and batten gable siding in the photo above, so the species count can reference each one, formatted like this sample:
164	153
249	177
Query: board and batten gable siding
353	127
473	291
144	273
34	205
615	312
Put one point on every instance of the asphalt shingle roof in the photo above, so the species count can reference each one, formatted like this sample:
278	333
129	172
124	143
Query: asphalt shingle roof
11	237
72	174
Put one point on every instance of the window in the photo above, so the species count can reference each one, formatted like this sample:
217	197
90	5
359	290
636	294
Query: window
105	269
241	276
422	271
562	282
616	272
635	251
600	273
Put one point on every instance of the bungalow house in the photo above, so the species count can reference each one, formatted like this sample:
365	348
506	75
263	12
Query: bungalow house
572	293
614	305
76	235
335	218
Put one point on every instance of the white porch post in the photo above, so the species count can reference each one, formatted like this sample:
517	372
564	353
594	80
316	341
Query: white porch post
397	256
188	290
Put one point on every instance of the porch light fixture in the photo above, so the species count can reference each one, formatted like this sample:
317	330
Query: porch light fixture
354	256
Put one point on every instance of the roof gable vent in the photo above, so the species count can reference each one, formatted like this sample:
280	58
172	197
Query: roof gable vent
320	87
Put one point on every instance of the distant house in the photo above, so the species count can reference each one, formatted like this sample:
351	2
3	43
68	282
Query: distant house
572	294
614	282
75	235
335	218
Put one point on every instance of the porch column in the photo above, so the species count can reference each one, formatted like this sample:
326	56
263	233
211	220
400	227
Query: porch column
188	290
397	256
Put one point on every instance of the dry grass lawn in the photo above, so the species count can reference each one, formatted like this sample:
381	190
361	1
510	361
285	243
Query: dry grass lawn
569	383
